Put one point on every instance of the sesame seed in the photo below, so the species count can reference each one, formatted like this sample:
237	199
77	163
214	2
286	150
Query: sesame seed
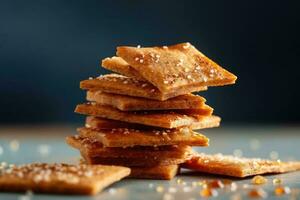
136	59
125	82
186	69
90	78
186	46
152	90
138	46
166	82
165	47
189	77
159	189
144	85
141	60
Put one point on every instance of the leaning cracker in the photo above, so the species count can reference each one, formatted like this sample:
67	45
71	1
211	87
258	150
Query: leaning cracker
238	167
129	103
98	123
118	84
157	172
180	65
164	119
60	178
124	137
95	153
120	66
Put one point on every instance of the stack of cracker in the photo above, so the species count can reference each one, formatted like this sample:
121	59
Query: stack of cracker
144	117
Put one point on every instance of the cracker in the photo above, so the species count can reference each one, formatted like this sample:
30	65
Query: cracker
237	167
120	66
118	84
98	123
124	137
95	153
164	119
176	66
129	103
157	172
60	178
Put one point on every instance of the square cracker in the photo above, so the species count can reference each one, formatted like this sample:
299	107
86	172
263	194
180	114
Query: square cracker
120	66
98	123
95	153
176	66
118	84
129	103
60	178
158	172
124	137
237	167
166	172
164	119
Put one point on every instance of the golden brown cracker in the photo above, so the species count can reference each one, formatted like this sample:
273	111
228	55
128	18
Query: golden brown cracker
237	167
60	178
164	119
118	84
129	103
180	65
120	66
124	137
98	123
95	153
166	172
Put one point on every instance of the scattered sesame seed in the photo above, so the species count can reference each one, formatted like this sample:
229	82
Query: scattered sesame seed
159	188
165	47
259	180
208	192
138	46
90	78
141	60
87	126
276	181
281	190
257	193
166	82
136	59
125	82
189	76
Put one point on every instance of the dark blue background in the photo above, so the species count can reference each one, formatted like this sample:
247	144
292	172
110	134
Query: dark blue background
47	47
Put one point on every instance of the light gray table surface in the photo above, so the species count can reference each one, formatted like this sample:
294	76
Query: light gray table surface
25	144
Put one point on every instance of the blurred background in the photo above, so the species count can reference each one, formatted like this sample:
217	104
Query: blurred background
47	47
